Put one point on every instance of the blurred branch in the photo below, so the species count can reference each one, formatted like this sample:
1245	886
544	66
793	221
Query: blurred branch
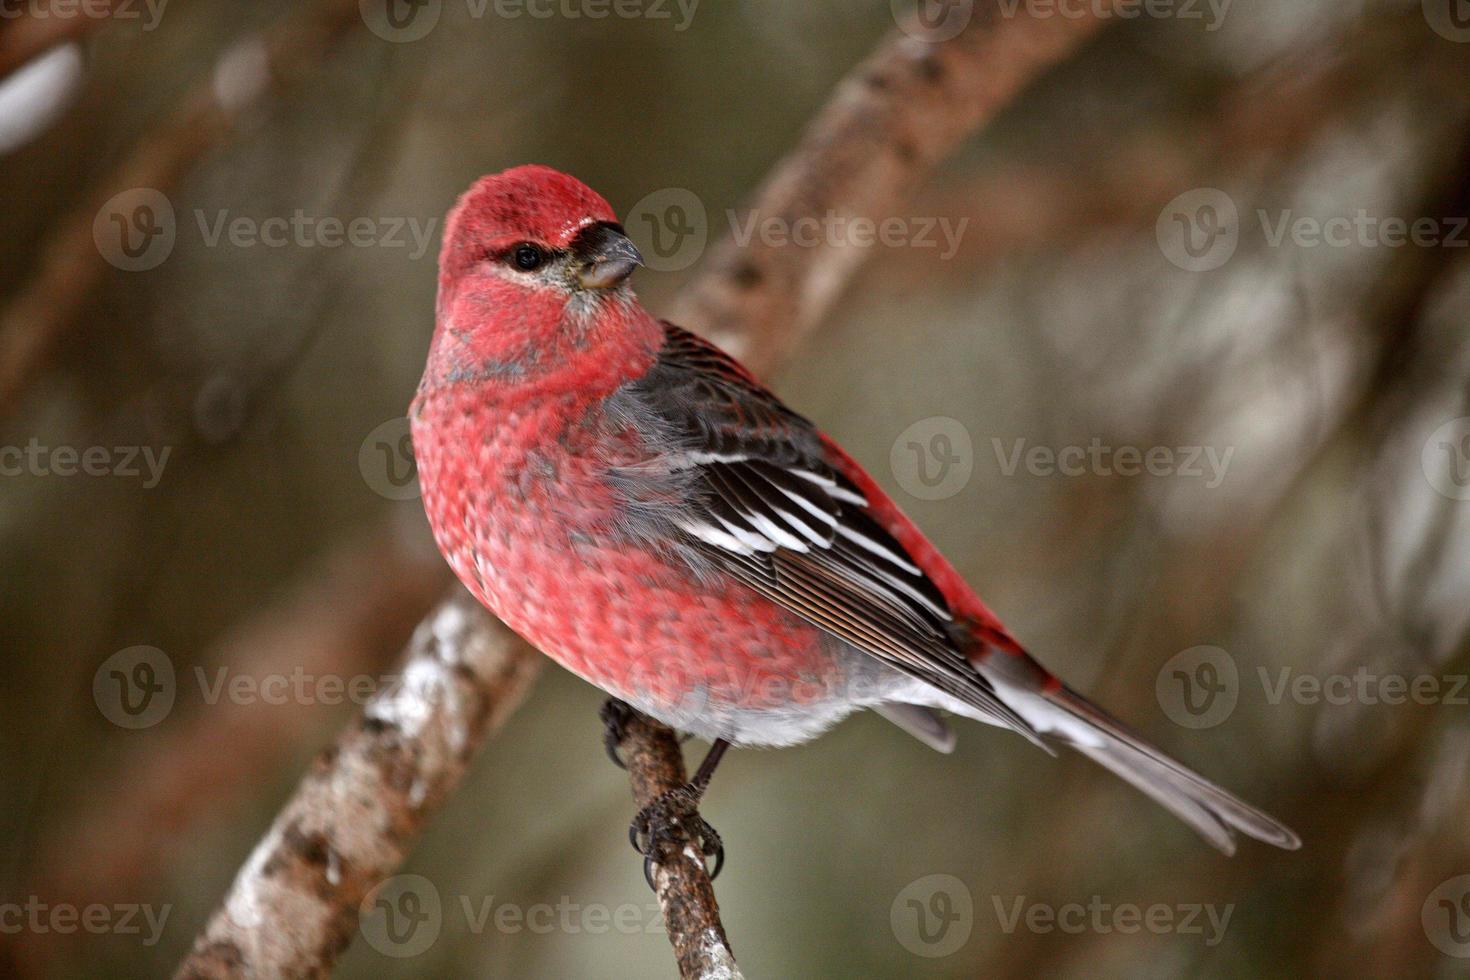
1268	119
888	124
33	34
69	266
345	618
342	619
890	121
691	914
294	905
1333	812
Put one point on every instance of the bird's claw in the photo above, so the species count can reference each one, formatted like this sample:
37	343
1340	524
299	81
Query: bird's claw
614	715
657	827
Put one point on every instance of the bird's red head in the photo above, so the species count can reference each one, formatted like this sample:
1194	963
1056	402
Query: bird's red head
531	204
533	262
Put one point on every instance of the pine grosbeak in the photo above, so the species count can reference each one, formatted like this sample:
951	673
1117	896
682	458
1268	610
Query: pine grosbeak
637	505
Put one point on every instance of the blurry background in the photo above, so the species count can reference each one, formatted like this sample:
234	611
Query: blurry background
1147	268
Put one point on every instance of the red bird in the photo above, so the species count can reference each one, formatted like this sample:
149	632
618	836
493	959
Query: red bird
636	504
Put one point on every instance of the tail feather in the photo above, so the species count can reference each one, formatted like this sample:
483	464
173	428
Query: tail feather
1212	812
922	723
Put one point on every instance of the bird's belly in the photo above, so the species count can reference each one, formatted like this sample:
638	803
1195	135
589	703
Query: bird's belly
709	657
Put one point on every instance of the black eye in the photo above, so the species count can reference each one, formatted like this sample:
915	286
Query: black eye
527	256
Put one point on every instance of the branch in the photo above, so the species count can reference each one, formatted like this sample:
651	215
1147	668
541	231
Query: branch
345	616
294	905
36	33
895	116
70	266
691	914
888	124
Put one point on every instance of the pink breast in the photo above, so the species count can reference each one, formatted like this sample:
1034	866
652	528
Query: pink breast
519	506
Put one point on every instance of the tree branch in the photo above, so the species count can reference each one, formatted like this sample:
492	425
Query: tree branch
69	265
895	116
294	905
345	617
889	122
691	914
33	34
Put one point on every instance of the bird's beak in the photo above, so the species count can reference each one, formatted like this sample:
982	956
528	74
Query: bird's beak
605	254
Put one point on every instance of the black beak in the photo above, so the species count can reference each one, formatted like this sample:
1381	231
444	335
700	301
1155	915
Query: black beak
605	255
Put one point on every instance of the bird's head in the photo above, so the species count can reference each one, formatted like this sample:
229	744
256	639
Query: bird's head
532	230
533	261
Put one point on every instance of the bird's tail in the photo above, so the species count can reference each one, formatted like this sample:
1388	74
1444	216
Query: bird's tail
1212	812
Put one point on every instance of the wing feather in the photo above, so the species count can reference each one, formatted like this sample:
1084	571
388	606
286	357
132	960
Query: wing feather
763	503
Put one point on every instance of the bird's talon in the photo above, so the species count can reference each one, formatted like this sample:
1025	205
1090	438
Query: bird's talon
713	849
654	829
648	865
614	715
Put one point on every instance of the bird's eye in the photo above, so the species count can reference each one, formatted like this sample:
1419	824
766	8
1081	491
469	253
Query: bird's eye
527	256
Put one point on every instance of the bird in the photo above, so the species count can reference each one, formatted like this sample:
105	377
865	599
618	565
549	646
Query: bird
635	503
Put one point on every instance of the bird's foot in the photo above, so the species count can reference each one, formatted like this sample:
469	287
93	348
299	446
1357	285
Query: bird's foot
671	819
614	715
